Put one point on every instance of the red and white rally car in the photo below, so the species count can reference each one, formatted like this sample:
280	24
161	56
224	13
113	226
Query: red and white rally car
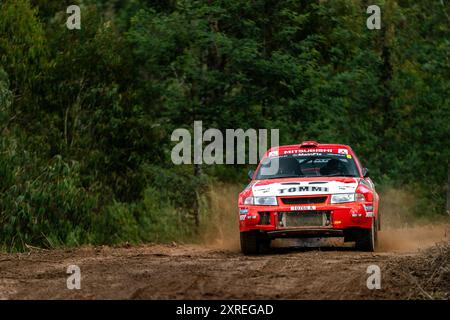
309	190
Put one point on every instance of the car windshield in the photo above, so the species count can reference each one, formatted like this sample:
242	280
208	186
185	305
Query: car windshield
308	165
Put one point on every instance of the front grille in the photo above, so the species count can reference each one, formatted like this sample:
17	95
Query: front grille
264	218
319	218
304	200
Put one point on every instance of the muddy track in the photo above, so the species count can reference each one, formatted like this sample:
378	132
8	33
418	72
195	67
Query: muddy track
196	272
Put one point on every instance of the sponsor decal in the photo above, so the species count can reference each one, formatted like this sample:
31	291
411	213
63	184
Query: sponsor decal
310	154
303	189
342	151
242	217
273	153
302	208
291	151
243	211
249	185
349	156
295	151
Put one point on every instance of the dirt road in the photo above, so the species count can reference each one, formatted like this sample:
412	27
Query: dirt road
412	266
201	272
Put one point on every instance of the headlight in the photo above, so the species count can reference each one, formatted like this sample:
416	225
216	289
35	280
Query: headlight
261	201
347	197
342	197
248	200
266	201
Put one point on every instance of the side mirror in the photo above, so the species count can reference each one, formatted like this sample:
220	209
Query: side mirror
365	172
250	174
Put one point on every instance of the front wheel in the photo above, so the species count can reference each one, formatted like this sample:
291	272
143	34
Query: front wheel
368	238
253	243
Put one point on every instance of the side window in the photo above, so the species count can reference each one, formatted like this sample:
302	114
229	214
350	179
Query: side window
358	164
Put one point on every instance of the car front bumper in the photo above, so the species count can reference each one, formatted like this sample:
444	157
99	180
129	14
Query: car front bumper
336	218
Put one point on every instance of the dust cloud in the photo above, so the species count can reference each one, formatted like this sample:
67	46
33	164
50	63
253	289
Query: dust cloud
220	226
402	230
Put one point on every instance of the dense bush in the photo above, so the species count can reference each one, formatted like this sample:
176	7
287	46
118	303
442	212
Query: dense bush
41	204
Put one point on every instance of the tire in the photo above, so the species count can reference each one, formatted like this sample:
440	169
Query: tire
264	245
367	239
253	243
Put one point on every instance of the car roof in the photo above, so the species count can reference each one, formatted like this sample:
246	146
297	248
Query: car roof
309	146
319	146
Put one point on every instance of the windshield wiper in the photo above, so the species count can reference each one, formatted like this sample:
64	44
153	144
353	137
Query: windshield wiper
340	175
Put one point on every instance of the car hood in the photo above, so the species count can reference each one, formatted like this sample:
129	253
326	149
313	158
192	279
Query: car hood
304	186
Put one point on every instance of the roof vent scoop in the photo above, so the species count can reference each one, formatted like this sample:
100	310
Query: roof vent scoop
309	144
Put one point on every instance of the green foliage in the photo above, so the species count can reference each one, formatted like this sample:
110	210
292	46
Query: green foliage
153	218
5	95
23	45
44	206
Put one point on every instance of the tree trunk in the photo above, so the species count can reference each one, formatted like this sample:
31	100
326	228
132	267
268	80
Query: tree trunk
196	209
448	191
